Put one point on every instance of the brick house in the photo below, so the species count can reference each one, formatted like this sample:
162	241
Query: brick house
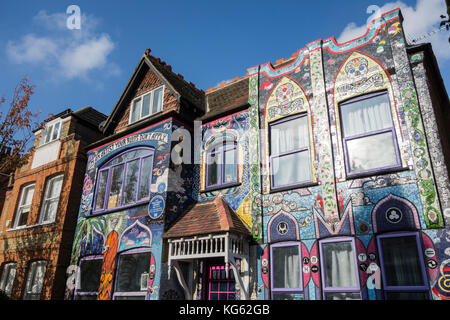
40	208
322	176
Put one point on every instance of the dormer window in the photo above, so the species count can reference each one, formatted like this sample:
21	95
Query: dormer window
146	104
51	132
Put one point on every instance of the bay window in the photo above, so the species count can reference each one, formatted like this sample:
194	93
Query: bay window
340	279
125	180
290	161
368	131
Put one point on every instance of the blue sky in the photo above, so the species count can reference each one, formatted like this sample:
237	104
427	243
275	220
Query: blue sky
206	41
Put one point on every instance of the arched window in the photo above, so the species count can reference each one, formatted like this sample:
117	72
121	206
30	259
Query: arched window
88	281
124	180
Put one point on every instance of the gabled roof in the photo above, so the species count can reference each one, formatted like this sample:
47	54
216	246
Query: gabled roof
181	89
213	216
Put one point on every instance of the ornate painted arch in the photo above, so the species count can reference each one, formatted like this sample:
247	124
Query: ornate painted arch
136	235
282	227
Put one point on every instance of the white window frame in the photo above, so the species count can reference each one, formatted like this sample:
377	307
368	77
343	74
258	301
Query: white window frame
21	206
141	98
47	200
31	280
7	278
48	131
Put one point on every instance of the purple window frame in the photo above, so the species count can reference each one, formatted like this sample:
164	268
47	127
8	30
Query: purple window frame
274	290
225	146
116	277
219	281
272	156
425	288
391	129
108	167
326	289
86	293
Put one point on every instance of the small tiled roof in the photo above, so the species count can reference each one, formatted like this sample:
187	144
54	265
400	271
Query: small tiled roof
213	216
226	98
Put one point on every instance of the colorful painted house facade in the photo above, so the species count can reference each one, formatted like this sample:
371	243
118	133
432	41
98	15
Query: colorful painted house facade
324	176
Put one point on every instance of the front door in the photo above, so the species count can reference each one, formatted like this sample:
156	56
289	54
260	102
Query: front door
219	286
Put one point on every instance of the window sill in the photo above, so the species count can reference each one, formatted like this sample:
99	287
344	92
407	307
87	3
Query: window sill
221	187
105	211
144	118
294	186
376	172
43	224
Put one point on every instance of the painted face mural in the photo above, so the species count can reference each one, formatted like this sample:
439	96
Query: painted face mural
357	69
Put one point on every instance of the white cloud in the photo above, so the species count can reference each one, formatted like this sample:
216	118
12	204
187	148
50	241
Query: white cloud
418	21
63	53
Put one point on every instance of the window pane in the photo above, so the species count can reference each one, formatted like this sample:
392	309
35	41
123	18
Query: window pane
131	180
146	105
291	169
129	298
366	115
131	268
135	110
286	267
90	271
230	165
28	193
56	129
371	152
339	265
7	279
286	296
23	216
35	280
401	261
289	135
214	168
343	296
157	100
129	156
48	133
101	189
144	184
115	186
86	297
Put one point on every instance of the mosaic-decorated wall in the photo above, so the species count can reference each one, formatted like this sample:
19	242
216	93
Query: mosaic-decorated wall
334	203
112	232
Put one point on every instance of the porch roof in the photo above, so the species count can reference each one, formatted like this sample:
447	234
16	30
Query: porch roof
213	216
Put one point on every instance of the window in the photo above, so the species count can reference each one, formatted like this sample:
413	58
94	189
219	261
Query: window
368	134
221	165
147	104
340	279
25	199
51	199
132	275
51	132
221	287
289	151
7	279
35	280
125	180
89	278
403	270
286	276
